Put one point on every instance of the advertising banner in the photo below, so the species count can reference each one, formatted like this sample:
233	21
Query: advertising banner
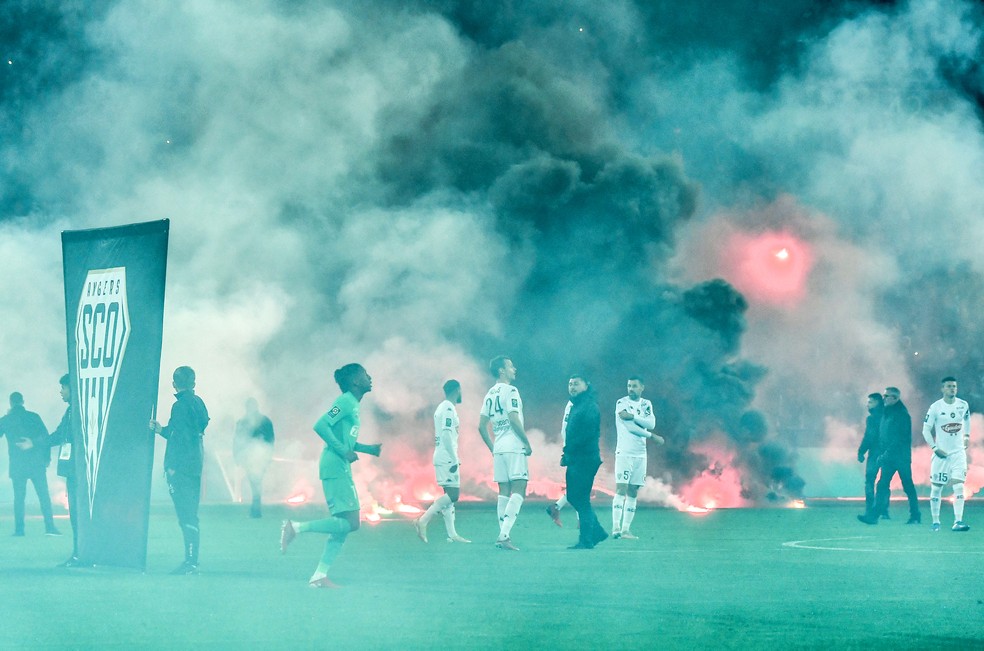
114	309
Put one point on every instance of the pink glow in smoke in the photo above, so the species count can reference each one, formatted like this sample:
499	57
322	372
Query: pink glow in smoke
771	268
717	487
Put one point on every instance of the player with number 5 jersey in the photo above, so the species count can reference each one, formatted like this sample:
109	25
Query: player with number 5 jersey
503	410
946	429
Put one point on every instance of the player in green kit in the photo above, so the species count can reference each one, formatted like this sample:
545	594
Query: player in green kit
339	428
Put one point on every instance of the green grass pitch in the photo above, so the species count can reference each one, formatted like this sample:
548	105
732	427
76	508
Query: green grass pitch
732	579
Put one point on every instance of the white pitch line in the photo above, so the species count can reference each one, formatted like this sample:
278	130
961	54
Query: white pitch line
799	544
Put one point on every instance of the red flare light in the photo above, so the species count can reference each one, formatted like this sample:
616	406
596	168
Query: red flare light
769	268
296	499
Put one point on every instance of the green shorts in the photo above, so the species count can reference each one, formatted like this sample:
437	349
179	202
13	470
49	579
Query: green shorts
340	494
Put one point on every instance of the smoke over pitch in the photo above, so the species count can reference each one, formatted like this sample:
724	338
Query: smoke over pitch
421	189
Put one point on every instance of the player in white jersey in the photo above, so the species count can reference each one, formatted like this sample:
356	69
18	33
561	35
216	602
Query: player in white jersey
503	409
553	510
634	418
947	431
447	464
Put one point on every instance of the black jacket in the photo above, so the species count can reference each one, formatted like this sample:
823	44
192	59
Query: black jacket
184	432
60	437
895	433
872	425
19	424
583	430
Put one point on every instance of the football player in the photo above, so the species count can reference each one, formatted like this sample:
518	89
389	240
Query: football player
634	418
447	465
503	409
339	429
947	431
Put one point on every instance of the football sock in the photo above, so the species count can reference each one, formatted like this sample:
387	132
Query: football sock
515	503
958	502
439	504
319	573
561	502
630	509
618	508
332	546
339	526
501	507
934	502
448	515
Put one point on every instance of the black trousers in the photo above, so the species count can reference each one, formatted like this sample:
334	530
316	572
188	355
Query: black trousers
186	493
71	487
883	490
870	475
39	478
580	479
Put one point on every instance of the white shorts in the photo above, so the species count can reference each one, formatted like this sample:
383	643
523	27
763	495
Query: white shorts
951	470
509	466
630	470
445	477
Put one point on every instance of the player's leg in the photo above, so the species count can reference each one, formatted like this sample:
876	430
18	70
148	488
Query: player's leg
517	469
453	492
618	509
938	477
442	473
631	499
333	546
20	493
553	510
958	475
935	494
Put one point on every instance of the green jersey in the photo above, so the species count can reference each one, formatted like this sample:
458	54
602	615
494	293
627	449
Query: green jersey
339	428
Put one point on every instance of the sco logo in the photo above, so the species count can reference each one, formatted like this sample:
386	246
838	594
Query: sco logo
102	330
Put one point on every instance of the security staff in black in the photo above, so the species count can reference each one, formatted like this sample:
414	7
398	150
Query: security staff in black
869	445
66	442
582	458
27	440
183	461
895	441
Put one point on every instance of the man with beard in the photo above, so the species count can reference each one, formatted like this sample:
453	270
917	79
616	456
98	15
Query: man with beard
582	458
634	418
895	442
446	464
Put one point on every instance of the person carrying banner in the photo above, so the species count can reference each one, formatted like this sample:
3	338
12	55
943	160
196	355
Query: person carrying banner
183	460
63	439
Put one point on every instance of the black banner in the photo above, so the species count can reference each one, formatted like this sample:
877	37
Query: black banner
114	312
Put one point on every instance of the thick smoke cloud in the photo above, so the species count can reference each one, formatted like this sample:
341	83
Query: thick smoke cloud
578	185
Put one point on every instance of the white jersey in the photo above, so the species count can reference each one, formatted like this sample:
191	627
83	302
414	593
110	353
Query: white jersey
632	434
446	434
946	425
502	400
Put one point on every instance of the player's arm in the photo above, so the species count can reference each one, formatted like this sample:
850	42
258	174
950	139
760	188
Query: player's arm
929	426
517	425
369	448
646	420
483	430
966	428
